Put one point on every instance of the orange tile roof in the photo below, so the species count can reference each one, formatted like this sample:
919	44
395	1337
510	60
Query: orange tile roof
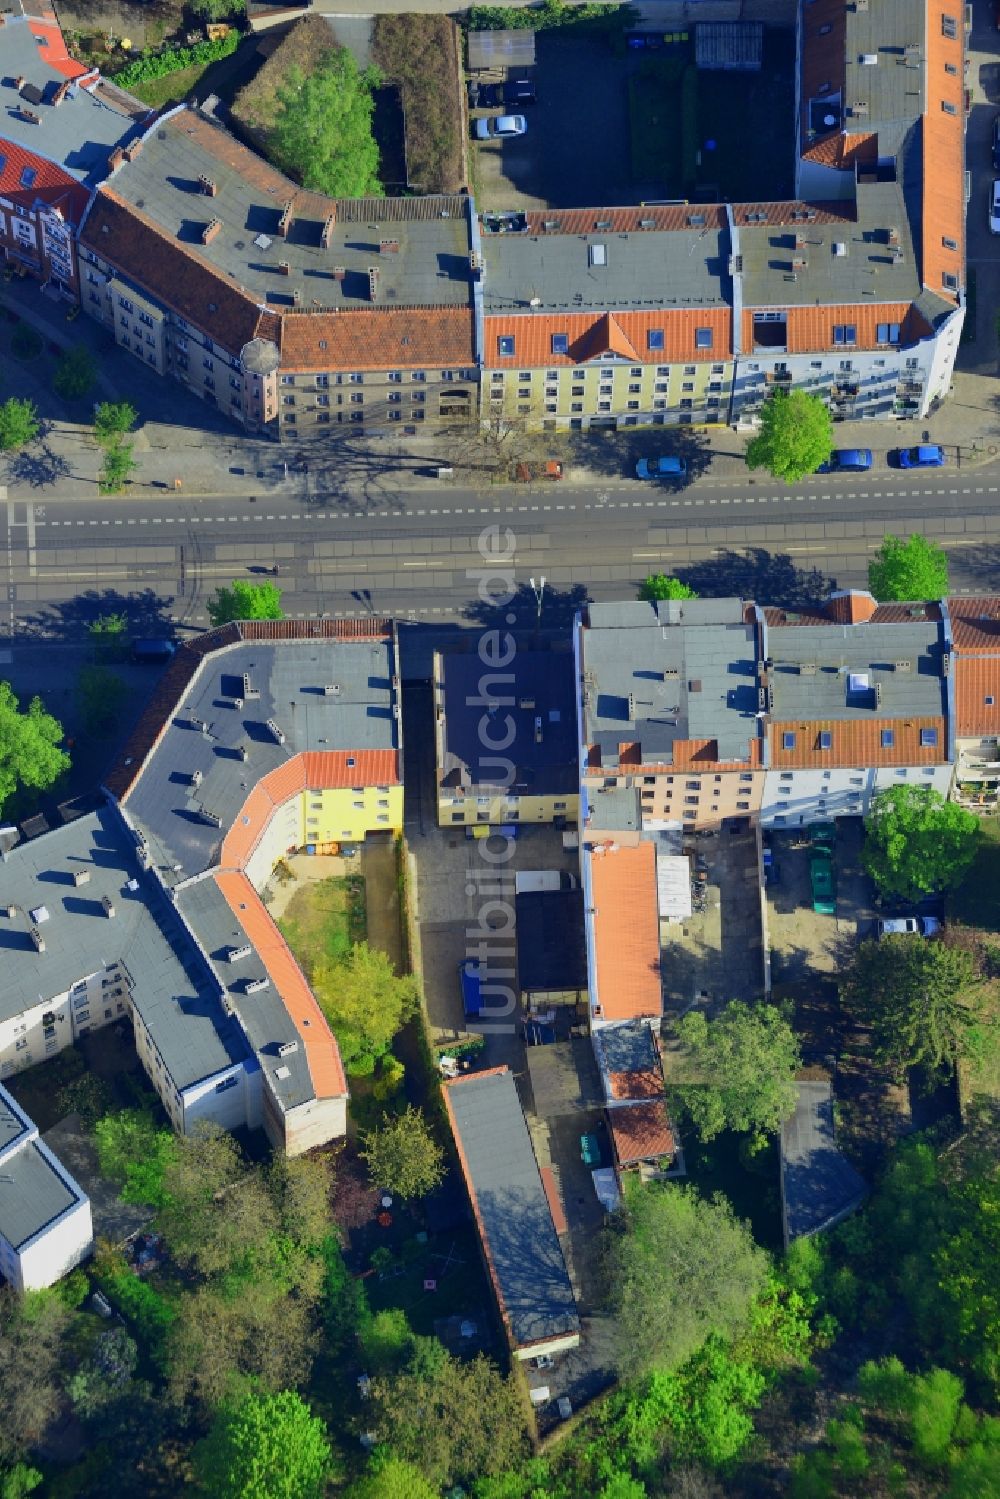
811	328
315	770
381	338
943	142
322	1052
977	678
590	333
50	184
636	1084
638	220
688	754
856	742
793	212
842	151
53	50
885	614
553	1199
852	607
975	623
626	931
641	1131
824	40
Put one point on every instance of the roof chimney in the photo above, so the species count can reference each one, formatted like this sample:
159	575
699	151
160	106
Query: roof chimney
133	148
208	187
373	283
326	239
285	221
115	159
210	231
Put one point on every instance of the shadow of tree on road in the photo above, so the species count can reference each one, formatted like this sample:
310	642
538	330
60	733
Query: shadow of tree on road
615	454
521	612
38	464
147	613
755	573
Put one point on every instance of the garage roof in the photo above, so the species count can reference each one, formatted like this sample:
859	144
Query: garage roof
510	49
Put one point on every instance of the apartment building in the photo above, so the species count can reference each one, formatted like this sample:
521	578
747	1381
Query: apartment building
505	737
670	705
856	702
62	128
974	630
45	1222
293	313
262	738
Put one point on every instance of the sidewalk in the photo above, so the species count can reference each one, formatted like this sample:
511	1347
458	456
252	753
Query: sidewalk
182	439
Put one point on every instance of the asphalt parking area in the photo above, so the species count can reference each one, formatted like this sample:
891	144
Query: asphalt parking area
716	954
803	941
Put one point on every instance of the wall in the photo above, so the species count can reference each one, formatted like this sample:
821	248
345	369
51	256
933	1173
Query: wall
885	378
95	1000
794	797
462	808
315	1123
315	400
60	1247
636	394
222	1099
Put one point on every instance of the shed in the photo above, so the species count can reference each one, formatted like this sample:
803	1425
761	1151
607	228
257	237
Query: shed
819	1186
730	46
551	955
501	49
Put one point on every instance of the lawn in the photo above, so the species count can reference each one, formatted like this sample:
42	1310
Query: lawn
656	117
451	1260
976	901
172	88
324	919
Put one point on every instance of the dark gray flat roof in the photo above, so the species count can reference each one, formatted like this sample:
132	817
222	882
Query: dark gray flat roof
79	133
430	265
520	1239
685	671
14	1123
33	1193
172	989
902	660
550	943
818	1184
545	753
290	677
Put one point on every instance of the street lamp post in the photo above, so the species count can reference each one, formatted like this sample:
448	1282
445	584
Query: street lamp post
538	589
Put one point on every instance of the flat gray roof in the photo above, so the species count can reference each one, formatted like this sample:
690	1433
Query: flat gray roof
79	133
290	677
171	988
429	264
263	1015
530	1277
643	269
14	1123
902	661
679	671
33	1193
894	87
819	1186
541	705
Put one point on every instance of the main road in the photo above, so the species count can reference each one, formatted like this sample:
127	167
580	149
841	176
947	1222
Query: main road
418	554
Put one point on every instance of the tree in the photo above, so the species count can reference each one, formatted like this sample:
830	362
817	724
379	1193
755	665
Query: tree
134	1151
75	373
215	1212
106	1374
117	467
391	1478
114	420
323	130
365	1004
916	843
681	1267
245	600
20	1481
101	694
403	1156
108	636
217	10
31	1353
736	1072
267	1447
659	586
18	424
458	1423
919	999
908	570
29	746
795	436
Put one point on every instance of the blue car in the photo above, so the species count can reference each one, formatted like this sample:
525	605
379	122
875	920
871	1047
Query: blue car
927	455
847	461
661	468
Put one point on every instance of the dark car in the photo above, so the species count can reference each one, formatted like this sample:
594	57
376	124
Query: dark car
996	143
485	95
925	455
518	91
847	461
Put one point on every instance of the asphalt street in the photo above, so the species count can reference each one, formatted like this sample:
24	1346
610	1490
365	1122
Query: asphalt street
420	555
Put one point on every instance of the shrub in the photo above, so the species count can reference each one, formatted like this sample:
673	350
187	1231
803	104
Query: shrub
173	59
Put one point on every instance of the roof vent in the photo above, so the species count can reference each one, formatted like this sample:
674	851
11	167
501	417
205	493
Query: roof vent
288	1048
235	954
839	247
254	986
275	733
868	59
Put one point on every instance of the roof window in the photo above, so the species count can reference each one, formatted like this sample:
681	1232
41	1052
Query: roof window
560	343
654	338
845	333
887	738
703	338
825	739
28	175
928	738
887	333
788	739
505	345
597	254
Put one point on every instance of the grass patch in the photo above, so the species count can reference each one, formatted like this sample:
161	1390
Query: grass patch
451	1259
172	88
974	902
751	1183
654	105
325	919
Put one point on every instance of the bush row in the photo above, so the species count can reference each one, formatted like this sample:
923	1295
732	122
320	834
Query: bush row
173	59
547	15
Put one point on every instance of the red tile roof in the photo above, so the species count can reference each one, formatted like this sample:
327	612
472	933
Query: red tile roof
842	151
52	185
53	51
383	338
639	220
977	695
688	754
856	742
943	141
641	1132
975	623
636	1084
852	607
589	334
885	614
626	931
824	37
322	1052
811	328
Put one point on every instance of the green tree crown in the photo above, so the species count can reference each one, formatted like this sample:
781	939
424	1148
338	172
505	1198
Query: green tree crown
916	843
266	1447
795	436
18	424
908	570
29	745
245	600
736	1072
323	130
659	586
403	1156
918	996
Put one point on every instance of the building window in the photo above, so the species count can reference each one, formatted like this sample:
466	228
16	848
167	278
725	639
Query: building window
928	738
560	343
845	333
505	346
949	282
703	338
825	739
887	333
887	738
788	740
948	107
949	26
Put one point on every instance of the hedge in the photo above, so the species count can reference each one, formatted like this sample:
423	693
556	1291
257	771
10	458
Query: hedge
549	14
173	59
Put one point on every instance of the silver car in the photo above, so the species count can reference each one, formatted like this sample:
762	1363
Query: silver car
500	127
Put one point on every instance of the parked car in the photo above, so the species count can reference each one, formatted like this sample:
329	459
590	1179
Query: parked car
917	926
661	468
823	836
822	881
926	455
995	206
996	143
847	461
500	127
485	95
519	91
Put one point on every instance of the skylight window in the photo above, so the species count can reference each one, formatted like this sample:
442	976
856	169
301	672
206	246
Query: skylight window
788	740
28	175
887	738
928	738
654	338
560	343
505	345
825	739
703	338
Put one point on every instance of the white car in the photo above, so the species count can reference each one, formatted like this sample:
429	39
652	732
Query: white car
500	127
898	926
995	206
